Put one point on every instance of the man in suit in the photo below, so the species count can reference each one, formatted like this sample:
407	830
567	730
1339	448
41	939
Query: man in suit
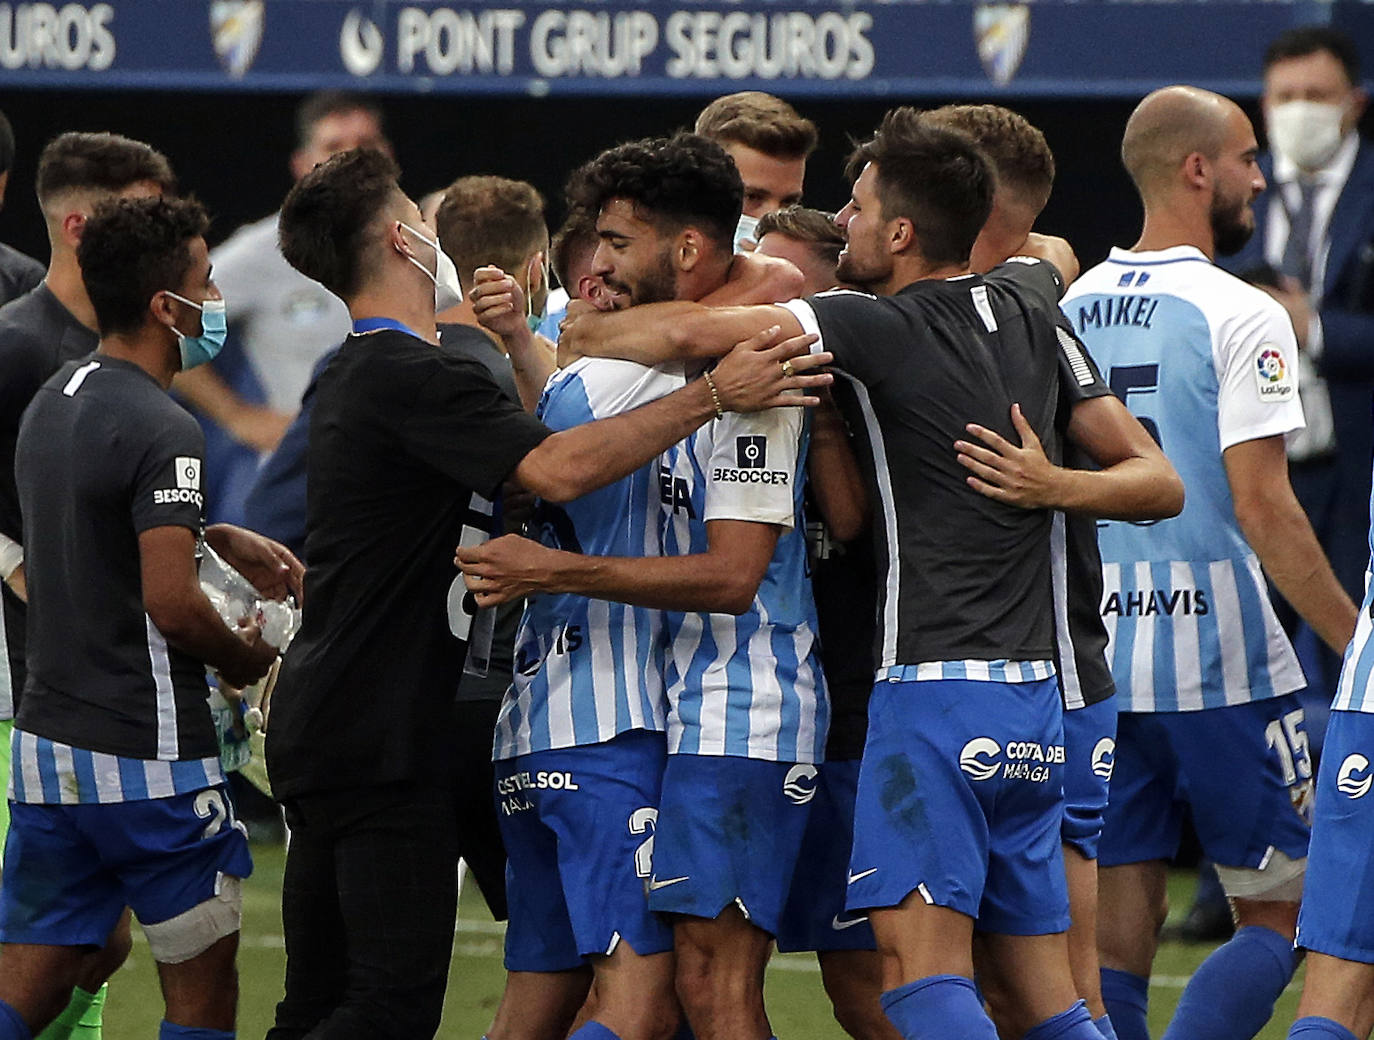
1316	227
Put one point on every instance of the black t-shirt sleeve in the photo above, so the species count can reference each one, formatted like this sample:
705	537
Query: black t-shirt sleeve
1079	377
464	426
168	481
867	335
1036	276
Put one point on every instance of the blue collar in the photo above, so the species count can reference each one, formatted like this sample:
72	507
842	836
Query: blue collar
363	325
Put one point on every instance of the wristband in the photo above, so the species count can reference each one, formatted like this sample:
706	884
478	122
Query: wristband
715	395
11	556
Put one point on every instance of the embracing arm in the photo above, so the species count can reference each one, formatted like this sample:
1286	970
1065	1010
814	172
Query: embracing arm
1136	481
657	332
833	474
722	580
1278	530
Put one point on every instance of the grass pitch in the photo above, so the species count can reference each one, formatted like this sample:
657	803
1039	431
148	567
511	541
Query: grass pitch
796	1003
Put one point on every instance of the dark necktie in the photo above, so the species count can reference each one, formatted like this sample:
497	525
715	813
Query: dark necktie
1297	251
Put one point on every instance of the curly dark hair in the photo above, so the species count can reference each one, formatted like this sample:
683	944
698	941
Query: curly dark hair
133	249
79	161
328	216
938	179
674	182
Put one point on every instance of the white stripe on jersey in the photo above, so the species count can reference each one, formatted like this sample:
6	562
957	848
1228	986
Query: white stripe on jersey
1111	579
158	777
1143	652
108	787
66	767
1353	691
71	770
983	307
1070	684
161	666
1187	645
1235	674
604	666
976	671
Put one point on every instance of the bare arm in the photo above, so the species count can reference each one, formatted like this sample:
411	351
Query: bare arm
499	304
657	332
252	425
1136	481
174	601
271	567
1278	530
833	472
572	462
756	278
722	580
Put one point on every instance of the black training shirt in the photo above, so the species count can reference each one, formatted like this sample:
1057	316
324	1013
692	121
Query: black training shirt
105	454
408	443
961	576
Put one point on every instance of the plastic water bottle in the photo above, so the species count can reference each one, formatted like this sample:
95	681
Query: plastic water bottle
234	599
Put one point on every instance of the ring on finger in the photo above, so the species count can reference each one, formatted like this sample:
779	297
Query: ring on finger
787	370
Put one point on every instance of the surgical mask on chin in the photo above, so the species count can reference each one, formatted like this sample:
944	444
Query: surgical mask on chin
745	229
448	288
1306	132
214	330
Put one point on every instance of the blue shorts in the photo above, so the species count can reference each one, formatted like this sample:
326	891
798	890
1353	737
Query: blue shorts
1243	771
579	826
1089	753
70	870
730	831
961	799
1337	916
815	917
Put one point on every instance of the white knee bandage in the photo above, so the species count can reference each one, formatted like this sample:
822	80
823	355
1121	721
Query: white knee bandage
1277	880
191	933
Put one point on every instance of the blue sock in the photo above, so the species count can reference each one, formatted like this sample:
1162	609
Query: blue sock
1073	1024
1127	998
936	1007
1104	1026
1312	1027
167	1031
593	1031
12	1027
1231	995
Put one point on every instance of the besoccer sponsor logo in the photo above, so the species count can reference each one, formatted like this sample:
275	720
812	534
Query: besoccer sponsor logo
188	472
751	465
1271	375
1104	758
800	784
971	759
751	452
1354	779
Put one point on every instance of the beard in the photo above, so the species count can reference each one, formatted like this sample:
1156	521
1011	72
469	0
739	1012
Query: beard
853	271
1233	223
656	285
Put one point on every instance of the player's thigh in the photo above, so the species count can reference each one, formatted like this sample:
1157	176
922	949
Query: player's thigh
1143	819
1247	774
1089	758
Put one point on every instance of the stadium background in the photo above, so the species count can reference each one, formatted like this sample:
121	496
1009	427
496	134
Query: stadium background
220	103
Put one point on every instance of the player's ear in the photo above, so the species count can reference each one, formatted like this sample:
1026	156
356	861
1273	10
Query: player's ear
901	235
691	246
1197	170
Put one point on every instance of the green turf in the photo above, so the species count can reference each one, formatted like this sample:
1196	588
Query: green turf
796	1003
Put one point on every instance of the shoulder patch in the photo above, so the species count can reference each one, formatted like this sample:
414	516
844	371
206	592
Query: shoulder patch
1273	375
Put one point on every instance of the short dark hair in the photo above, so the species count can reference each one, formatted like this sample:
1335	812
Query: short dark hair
106	162
1018	150
328	215
812	226
574	240
759	121
674	182
490	220
6	144
326	103
132	249
938	179
1312	39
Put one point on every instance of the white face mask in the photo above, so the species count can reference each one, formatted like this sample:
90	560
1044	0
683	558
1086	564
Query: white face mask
745	229
448	289
1308	133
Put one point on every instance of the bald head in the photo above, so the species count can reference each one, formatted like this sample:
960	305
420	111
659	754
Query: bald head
1168	126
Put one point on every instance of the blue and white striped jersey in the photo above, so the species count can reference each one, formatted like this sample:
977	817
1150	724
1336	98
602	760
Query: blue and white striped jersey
47	772
587	670
1205	362
747	686
1355	690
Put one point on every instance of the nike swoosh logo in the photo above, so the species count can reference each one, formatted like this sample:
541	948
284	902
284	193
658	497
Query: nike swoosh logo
863	874
840	926
655	884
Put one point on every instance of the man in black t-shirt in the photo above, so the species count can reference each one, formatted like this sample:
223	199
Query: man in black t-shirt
960	799
409	444
118	795
18	273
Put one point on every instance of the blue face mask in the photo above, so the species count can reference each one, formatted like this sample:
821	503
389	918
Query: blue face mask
214	329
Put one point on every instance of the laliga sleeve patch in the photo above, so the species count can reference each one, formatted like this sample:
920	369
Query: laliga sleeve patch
1273	375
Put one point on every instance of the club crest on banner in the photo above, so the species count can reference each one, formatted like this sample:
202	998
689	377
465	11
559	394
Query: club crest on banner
1002	32
236	27
360	44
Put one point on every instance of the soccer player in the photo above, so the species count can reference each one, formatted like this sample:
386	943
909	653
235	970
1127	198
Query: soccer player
1093	421
769	143
408	446
49	326
959	802
1203	670
117	794
746	712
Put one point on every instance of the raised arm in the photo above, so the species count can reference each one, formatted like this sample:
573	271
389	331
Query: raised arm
499	303
1278	530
